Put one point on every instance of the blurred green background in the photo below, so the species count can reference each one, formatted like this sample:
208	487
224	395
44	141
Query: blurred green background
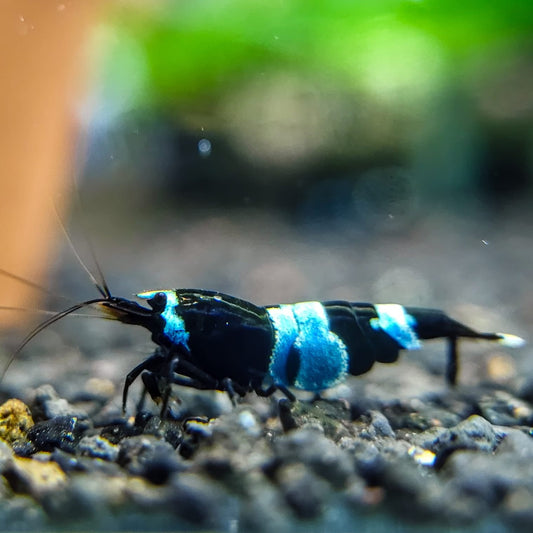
370	111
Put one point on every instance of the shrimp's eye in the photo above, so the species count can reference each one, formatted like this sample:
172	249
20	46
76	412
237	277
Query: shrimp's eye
158	301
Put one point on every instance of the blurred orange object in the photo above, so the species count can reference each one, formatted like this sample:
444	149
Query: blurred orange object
42	61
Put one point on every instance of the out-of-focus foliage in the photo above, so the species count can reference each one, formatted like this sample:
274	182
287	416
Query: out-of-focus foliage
189	51
293	89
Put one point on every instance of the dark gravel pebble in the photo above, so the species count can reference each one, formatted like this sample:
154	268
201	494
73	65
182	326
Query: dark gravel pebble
199	501
473	433
330	417
369	462
6	456
304	492
22	514
149	457
47	404
503	409
63	432
379	426
319	454
487	479
70	463
114	433
517	443
99	447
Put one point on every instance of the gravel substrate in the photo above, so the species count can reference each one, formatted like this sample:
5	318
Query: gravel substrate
448	458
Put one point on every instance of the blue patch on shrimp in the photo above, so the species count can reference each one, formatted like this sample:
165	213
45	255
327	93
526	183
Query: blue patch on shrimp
398	324
174	324
306	355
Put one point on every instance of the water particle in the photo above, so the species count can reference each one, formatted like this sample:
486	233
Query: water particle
204	147
486	243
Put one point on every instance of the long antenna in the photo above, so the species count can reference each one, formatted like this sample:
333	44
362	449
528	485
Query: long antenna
103	290
43	325
52	313
80	162
33	285
81	210
103	282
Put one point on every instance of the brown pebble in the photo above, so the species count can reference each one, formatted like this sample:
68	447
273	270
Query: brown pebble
15	420
35	477
100	387
373	495
501	367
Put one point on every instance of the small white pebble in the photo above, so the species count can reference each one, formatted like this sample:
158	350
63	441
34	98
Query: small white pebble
421	456
249	423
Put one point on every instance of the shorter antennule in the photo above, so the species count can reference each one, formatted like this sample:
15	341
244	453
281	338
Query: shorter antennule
511	341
